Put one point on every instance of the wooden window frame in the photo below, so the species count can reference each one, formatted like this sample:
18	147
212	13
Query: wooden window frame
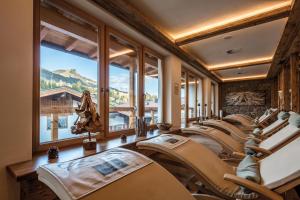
103	81
72	10
214	104
190	119
185	71
157	55
202	96
197	77
118	34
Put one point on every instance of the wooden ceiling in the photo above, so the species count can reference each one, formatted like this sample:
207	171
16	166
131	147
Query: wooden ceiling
232	42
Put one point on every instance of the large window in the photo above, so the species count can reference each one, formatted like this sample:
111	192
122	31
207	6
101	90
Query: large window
68	66
200	99
183	99
152	88
123	65
213	99
192	97
76	52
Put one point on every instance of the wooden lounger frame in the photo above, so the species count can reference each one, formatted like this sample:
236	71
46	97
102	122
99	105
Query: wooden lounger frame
275	194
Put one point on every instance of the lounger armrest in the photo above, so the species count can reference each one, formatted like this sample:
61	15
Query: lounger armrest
205	197
258	149
241	156
248	128
253	186
238	155
255	139
254	126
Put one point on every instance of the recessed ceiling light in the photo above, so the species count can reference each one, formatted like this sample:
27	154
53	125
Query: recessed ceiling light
233	51
227	37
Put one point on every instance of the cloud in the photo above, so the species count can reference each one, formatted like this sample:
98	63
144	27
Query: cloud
120	82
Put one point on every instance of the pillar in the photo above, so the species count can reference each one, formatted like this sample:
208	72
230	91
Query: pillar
172	79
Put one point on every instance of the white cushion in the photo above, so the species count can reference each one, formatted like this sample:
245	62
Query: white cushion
272	126
261	118
280	137
267	114
295	120
282	166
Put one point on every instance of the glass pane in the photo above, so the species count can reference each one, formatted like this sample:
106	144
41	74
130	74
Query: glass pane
199	98
192	97
68	66
212	99
183	96
122	84
152	80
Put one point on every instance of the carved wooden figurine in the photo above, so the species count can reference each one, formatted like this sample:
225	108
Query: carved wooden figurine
88	120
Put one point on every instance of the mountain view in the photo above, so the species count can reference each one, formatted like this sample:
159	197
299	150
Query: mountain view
70	78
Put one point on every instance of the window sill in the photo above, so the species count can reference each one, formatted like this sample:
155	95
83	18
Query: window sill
24	169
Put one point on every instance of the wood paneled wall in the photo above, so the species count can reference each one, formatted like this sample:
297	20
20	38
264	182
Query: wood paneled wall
288	84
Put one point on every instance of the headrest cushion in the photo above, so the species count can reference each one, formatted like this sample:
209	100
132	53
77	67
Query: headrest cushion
249	151
248	169
295	120
283	115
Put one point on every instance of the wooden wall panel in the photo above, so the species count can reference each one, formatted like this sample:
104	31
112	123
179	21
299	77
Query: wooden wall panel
286	88
294	83
274	93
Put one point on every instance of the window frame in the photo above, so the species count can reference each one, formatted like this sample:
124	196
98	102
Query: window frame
114	32
103	81
197	77
186	95
213	100
161	77
73	11
195	99
201	101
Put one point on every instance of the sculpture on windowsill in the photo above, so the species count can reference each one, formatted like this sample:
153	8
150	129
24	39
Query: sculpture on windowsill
88	120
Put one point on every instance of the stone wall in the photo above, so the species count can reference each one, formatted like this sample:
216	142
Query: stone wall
266	86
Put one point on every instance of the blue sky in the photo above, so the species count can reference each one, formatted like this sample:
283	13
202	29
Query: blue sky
52	60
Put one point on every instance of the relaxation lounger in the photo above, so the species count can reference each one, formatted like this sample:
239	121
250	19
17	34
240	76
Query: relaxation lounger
280	171
240	136
248	123
229	145
226	127
266	146
96	177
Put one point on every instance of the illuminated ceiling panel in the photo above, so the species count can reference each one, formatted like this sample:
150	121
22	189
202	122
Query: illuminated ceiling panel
246	44
245	71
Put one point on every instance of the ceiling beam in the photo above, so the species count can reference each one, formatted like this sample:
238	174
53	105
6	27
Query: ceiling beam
255	20
241	65
52	20
93	53
151	71
55	21
71	44
245	78
131	16
287	41
43	33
